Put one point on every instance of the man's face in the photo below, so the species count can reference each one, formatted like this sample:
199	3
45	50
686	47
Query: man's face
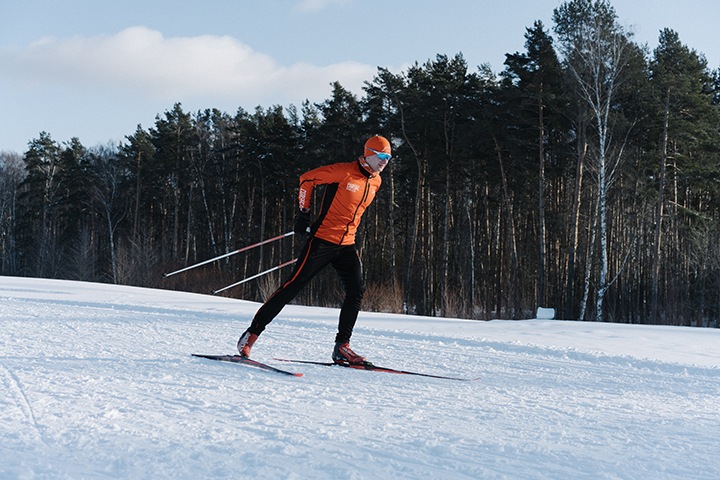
376	163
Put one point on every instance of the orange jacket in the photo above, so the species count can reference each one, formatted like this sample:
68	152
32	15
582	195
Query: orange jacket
350	189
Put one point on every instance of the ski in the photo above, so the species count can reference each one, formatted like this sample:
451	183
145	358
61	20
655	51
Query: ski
247	361
376	368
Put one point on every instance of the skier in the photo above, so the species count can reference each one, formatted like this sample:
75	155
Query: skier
350	188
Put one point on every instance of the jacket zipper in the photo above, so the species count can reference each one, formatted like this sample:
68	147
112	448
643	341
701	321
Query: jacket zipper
362	200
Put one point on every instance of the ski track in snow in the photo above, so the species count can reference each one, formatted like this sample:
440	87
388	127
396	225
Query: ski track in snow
98	383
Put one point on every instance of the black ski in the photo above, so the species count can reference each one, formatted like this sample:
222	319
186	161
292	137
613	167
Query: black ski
247	361
376	368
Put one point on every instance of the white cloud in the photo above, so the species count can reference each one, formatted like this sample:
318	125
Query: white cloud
145	62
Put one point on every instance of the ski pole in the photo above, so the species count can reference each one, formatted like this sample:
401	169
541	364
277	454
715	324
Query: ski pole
249	247
255	276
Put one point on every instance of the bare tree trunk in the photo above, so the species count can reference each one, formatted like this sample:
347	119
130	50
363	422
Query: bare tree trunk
488	252
513	275
418	208
471	242
592	227
428	246
393	259
659	214
111	245
541	206
575	224
138	176
444	293
602	203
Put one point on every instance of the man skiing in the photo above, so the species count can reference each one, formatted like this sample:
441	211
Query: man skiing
350	188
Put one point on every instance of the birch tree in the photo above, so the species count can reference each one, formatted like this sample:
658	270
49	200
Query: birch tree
595	48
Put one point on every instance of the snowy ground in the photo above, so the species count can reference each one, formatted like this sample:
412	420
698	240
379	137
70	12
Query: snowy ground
97	382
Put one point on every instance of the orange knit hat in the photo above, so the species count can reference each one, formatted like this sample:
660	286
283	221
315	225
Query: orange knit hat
377	143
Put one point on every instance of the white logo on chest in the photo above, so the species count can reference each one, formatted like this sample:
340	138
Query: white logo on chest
353	187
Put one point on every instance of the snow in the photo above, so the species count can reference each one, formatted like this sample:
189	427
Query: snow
97	382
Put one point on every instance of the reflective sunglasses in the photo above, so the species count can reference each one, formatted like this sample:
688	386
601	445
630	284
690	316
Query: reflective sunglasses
381	155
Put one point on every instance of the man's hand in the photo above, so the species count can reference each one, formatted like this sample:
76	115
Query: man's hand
302	224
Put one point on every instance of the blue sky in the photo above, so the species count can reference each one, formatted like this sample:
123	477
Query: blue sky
95	69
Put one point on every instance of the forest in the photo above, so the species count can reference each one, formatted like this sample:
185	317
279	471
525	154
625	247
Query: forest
584	177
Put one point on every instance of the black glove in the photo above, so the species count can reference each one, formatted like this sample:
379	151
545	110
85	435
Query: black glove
302	224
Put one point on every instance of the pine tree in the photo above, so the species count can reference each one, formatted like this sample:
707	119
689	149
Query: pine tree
533	89
37	197
12	173
684	100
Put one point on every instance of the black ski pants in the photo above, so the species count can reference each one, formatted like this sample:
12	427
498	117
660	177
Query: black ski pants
316	255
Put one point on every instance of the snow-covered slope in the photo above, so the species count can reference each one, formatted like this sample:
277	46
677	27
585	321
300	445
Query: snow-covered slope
97	382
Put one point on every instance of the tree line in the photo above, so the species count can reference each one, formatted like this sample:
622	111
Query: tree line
585	176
